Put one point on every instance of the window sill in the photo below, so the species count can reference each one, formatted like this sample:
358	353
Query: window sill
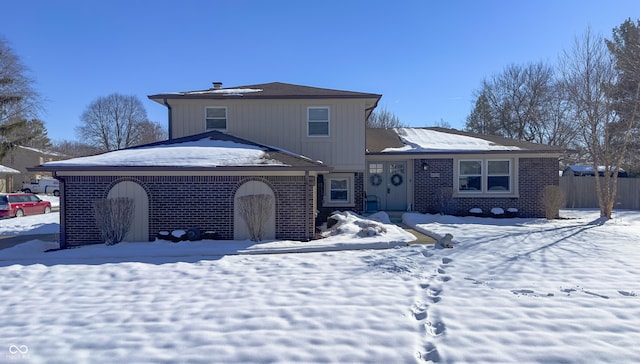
485	195
338	204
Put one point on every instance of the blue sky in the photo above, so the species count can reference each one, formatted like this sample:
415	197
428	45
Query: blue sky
425	57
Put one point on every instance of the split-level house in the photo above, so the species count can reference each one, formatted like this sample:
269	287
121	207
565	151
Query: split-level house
307	147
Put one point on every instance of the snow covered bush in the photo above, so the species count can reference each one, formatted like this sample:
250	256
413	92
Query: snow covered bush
351	223
497	212
113	218
255	210
553	199
475	211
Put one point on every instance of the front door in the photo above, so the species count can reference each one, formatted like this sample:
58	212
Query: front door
387	184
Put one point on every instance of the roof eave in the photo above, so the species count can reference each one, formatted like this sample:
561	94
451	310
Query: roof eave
257	168
447	152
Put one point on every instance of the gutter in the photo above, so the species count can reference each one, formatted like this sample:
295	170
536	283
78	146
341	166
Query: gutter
170	131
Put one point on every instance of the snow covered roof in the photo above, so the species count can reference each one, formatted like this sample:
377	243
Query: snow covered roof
587	170
6	170
203	151
42	151
440	140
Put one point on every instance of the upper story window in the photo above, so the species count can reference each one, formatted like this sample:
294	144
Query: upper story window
318	121
485	176
216	118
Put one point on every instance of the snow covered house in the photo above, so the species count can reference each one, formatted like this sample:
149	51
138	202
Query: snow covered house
437	170
303	145
307	147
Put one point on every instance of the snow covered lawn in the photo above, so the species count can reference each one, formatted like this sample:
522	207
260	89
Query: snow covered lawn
510	290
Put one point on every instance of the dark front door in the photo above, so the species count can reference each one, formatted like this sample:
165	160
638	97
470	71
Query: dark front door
387	184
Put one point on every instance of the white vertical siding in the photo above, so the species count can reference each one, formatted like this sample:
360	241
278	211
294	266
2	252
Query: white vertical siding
139	230
240	229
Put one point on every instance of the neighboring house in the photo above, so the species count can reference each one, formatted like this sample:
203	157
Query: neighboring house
438	170
21	158
581	170
307	147
5	175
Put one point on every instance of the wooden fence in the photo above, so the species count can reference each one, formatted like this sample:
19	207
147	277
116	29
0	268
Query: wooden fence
581	192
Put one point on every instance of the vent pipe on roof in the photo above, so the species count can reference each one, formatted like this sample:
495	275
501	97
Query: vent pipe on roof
217	85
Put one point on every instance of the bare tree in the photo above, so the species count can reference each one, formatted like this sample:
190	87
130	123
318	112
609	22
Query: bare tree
150	132
589	75
442	124
74	148
18	99
112	122
384	119
521	103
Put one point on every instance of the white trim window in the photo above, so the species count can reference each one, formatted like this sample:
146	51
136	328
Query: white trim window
470	176
215	118
491	176
339	189
318	121
499	176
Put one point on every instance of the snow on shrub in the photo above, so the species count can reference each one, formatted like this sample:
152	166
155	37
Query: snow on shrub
350	223
497	211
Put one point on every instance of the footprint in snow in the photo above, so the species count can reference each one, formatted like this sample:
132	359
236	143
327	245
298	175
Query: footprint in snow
430	353
419	312
435	328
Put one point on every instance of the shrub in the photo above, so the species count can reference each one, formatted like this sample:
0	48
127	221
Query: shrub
553	199
444	201
113	217
255	210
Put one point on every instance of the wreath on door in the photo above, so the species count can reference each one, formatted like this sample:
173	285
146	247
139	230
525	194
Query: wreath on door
375	180
396	179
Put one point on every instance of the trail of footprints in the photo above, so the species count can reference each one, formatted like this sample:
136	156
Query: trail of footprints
431	323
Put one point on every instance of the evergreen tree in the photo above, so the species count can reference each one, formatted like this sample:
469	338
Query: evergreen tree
18	99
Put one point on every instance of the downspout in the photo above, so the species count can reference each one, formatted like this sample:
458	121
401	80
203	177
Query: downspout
169	129
306	205
63	218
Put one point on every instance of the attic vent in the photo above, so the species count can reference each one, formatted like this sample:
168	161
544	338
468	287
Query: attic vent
217	85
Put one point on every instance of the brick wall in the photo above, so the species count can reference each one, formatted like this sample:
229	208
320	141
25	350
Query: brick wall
430	186
181	202
358	198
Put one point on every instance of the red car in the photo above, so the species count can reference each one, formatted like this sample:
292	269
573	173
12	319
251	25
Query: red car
20	204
